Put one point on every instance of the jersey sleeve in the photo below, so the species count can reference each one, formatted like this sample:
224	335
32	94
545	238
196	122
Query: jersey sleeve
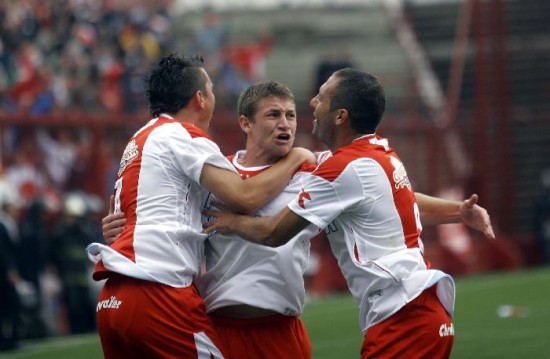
328	192
193	154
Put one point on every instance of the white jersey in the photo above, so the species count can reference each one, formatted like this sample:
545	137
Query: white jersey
158	190
240	272
362	197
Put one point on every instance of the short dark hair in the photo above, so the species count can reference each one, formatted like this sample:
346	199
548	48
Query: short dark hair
249	98
362	95
173	82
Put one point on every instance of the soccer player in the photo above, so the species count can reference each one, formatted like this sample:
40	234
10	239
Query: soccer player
254	294
149	306
363	199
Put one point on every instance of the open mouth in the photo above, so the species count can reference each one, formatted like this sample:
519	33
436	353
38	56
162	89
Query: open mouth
283	137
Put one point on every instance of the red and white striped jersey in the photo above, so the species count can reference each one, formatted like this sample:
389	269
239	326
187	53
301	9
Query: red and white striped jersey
158	189
363	199
241	272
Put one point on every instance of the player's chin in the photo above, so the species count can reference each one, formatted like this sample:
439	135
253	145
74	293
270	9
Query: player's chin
282	149
314	127
282	142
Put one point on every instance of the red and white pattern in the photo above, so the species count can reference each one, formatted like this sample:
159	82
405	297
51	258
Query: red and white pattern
362	197
158	190
240	272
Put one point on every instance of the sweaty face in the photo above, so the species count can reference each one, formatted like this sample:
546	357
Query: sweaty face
272	132
323	124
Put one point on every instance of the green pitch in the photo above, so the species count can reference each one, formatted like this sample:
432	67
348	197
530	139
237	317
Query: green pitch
523	298
480	333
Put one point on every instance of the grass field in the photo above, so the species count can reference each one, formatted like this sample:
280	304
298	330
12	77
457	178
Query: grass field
333	323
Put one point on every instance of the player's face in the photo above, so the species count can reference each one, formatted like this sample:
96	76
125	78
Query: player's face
323	124
209	98
272	133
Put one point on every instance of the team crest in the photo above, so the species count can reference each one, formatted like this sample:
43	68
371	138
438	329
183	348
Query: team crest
399	174
130	153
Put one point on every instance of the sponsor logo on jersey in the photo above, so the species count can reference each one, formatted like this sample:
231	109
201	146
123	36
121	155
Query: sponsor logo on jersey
331	228
303	195
400	174
446	330
375	294
112	303
130	153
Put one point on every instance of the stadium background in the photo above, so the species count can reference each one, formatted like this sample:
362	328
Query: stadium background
466	81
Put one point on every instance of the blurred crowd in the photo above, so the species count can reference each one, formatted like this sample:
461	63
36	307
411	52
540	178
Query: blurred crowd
44	273
80	57
59	58
92	56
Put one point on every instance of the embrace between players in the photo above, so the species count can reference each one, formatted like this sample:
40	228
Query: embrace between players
273	199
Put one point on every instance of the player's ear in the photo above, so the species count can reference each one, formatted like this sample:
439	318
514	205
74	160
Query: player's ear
198	99
342	115
244	122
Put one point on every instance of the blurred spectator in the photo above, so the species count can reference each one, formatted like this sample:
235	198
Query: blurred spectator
209	38
249	58
59	154
542	216
32	259
25	173
244	65
12	285
72	234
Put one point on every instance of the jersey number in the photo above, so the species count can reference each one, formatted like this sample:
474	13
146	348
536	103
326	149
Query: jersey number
118	189
417	217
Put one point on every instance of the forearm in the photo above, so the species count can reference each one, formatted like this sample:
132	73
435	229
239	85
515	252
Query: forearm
263	187
249	195
269	231
257	230
434	211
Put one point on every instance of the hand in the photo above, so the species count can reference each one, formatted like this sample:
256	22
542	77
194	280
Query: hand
219	221
476	217
304	154
112	224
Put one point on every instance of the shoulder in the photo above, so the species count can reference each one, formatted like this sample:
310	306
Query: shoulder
194	131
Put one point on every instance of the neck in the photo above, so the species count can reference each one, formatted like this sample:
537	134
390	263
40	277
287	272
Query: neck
345	139
189	116
254	157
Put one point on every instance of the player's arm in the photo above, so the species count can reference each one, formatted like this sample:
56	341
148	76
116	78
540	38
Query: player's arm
245	196
271	231
435	211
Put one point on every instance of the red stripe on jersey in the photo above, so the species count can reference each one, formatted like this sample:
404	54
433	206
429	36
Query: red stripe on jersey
195	131
128	196
244	172
402	194
308	167
356	253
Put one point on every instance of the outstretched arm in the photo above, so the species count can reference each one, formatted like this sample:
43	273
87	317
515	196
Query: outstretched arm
434	211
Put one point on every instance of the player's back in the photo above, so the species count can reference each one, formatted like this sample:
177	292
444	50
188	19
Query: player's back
158	190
